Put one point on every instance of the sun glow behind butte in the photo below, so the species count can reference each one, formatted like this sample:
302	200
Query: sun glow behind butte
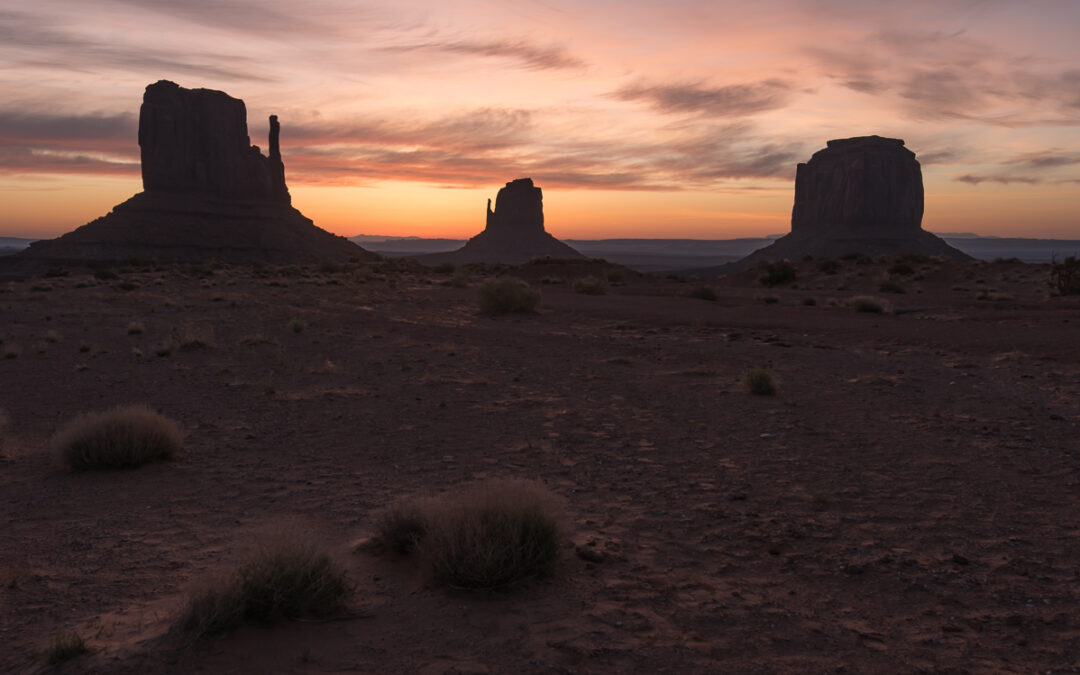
638	121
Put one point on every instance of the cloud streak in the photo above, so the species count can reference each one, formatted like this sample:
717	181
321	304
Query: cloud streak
736	100
531	56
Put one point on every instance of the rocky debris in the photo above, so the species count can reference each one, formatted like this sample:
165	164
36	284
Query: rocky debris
207	193
514	233
858	195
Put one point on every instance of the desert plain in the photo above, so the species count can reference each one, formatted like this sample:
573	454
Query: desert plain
906	502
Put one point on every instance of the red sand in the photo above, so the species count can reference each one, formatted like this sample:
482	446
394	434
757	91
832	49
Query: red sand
906	503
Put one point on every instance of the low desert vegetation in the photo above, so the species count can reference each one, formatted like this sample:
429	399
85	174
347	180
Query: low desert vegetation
297	325
507	296
1065	275
759	381
65	647
123	437
136	328
589	285
4	424
12	350
488	536
868	304
284	579
901	268
445	268
703	293
777	273
891	284
830	266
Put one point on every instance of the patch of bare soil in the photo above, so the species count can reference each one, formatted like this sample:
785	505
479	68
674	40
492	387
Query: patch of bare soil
906	502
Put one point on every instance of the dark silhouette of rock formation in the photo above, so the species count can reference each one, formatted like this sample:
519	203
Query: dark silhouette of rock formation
858	195
514	233
207	193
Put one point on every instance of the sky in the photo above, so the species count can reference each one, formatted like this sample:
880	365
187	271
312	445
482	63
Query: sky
683	119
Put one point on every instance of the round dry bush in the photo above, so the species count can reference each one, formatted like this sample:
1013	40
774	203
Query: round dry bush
283	579
124	437
869	304
401	527
493	535
507	296
589	285
759	381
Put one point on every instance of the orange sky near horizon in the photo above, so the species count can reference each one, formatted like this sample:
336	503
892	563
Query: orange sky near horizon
683	121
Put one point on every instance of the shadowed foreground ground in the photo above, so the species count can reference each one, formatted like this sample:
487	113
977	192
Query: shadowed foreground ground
907	503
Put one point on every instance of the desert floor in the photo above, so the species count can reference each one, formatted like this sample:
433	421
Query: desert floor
907	502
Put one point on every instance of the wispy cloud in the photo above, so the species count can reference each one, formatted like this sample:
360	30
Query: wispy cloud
529	55
1004	179
735	100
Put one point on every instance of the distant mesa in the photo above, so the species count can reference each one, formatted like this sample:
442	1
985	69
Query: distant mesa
858	195
514	233
207	193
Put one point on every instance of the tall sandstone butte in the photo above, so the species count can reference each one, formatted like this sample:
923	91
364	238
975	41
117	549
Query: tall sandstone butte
858	195
207	193
514	232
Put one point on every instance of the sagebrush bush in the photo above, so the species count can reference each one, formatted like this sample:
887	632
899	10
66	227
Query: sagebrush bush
401	528
703	293
4	422
891	284
493	535
589	285
119	438
759	381
65	647
829	266
1065	275
869	304
507	296
779	272
287	578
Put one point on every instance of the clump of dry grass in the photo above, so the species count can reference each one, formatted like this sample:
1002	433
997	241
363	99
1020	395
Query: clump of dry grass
869	304
65	647
119	438
285	578
759	381
4	422
1065	275
401	528
487	536
507	296
136	328
703	293
589	285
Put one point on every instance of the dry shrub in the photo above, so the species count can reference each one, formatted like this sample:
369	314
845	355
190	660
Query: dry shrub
778	272
507	296
287	577
487	536
493	535
65	647
869	304
589	285
703	293
401	528
1065	275
119	438
759	381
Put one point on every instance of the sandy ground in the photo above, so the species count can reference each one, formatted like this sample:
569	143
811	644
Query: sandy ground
906	503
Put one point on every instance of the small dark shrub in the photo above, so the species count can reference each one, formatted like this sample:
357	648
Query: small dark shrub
493	535
809	302
401	528
891	285
779	272
830	266
65	647
445	268
589	285
105	275
759	381
866	303
119	438
282	580
1065	275
901	268
507	296
703	293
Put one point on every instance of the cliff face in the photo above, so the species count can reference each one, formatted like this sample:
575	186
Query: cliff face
858	195
196	141
868	185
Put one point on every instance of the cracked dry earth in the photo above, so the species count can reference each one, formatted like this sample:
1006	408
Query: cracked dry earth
907	502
